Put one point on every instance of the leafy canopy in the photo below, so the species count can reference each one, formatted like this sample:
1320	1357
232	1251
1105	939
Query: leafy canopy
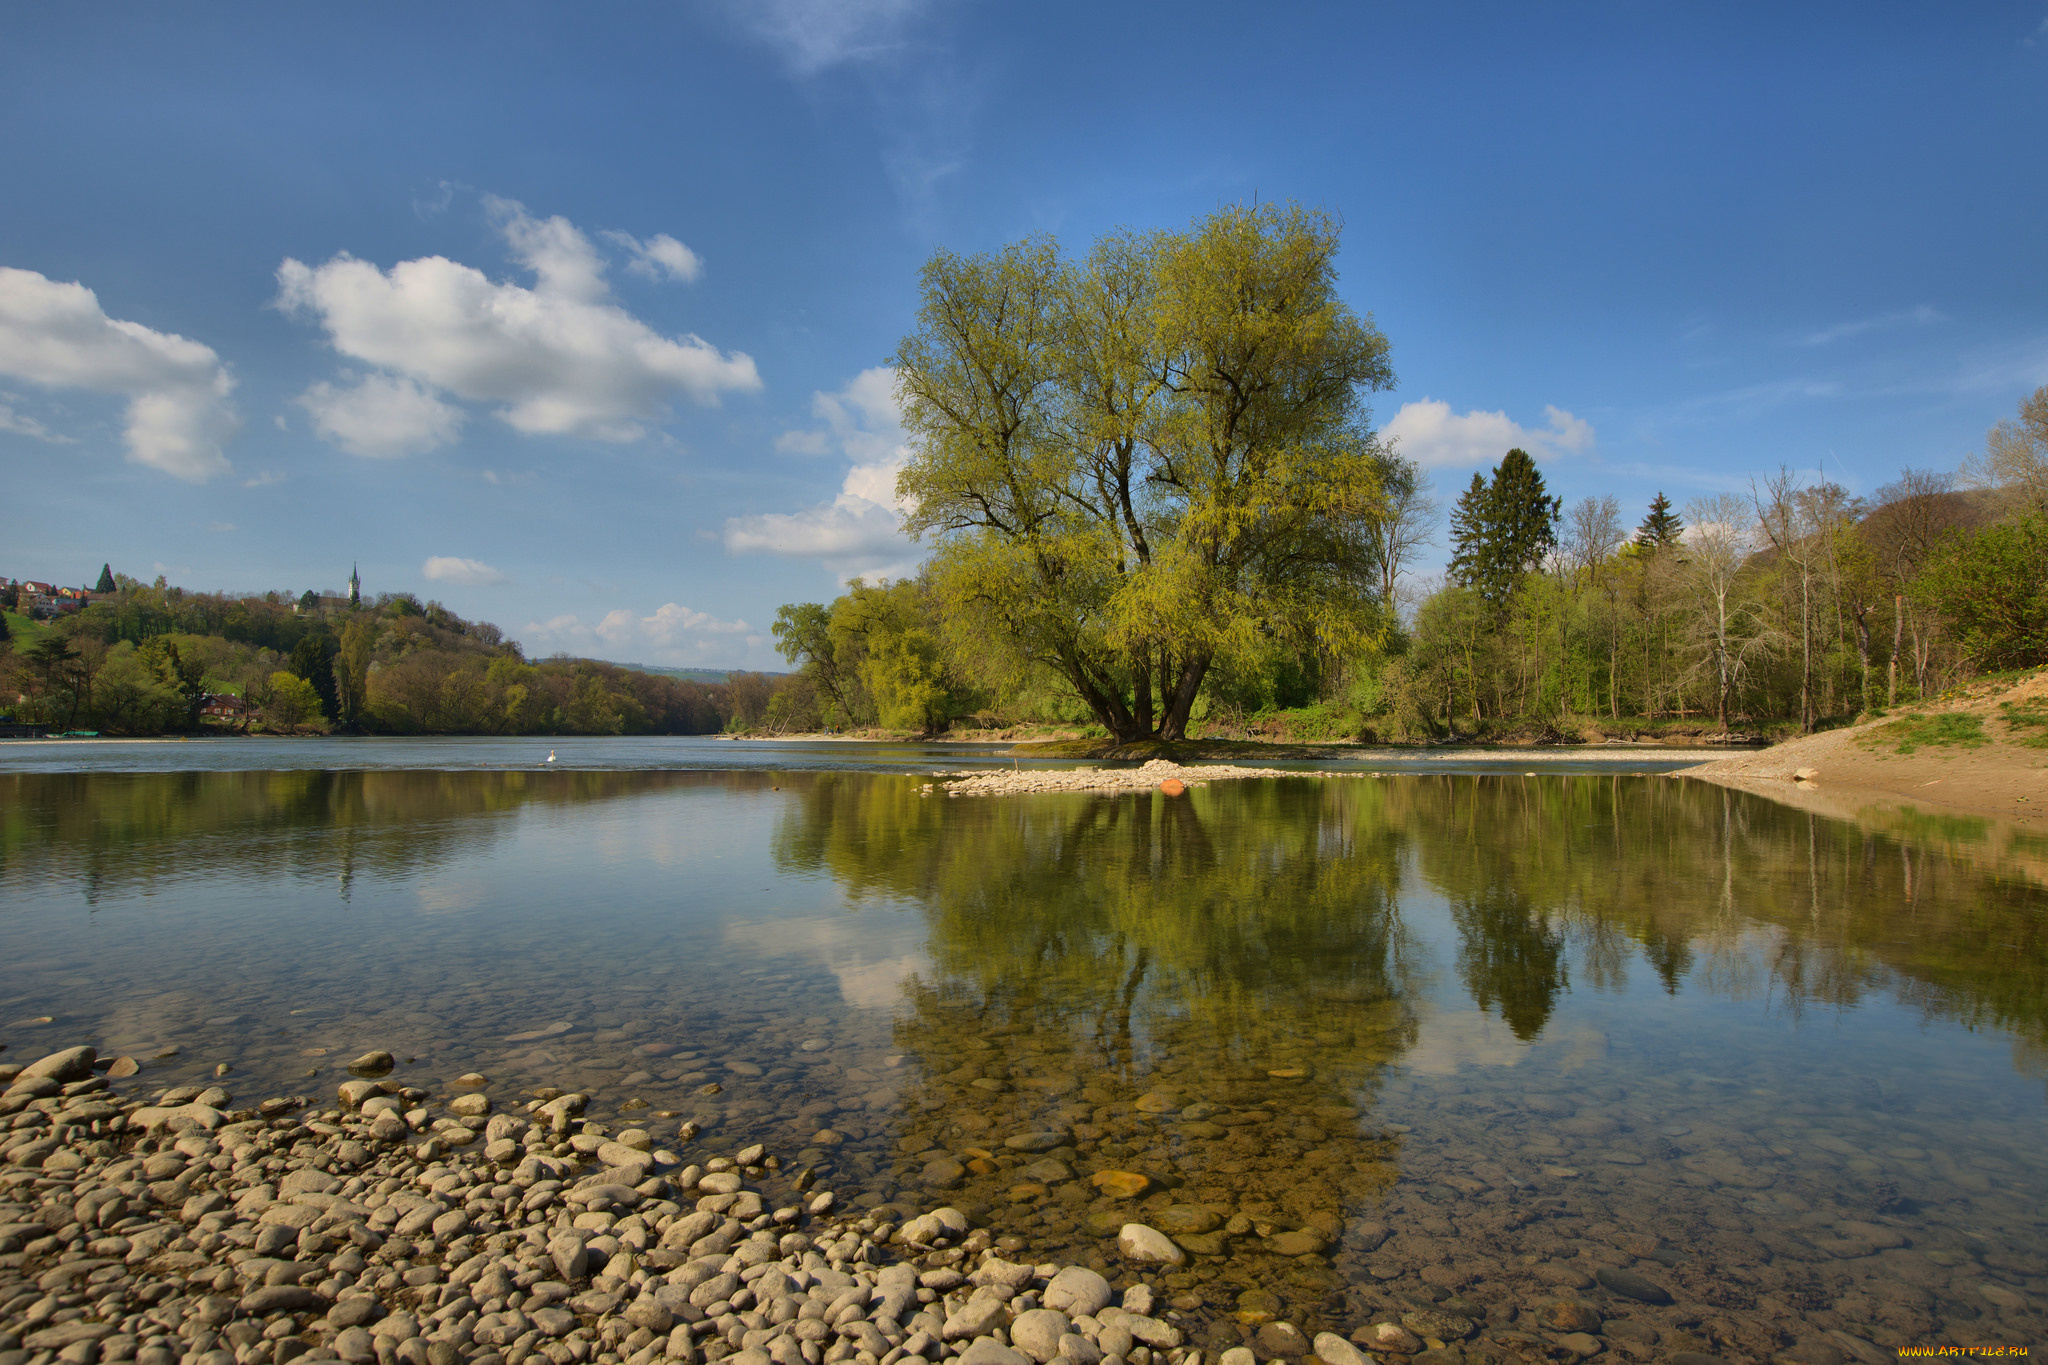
1142	462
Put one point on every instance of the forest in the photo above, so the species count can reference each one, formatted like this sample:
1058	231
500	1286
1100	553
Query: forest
1792	609
1154	508
147	658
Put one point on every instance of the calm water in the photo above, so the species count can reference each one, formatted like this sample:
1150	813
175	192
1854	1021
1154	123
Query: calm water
1477	1035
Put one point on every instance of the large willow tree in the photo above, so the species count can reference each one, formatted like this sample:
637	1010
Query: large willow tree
1140	464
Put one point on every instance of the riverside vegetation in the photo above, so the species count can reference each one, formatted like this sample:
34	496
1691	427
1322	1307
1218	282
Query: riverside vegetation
1155	505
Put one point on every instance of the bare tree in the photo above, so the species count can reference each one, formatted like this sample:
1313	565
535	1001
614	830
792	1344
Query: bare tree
1409	524
1912	516
1593	532
1718	539
1784	516
2016	452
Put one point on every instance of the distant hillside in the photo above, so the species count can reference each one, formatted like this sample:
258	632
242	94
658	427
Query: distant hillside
703	675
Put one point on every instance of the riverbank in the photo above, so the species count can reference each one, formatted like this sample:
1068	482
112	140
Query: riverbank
181	1228
1984	753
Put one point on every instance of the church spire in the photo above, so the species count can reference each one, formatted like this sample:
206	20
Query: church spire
355	587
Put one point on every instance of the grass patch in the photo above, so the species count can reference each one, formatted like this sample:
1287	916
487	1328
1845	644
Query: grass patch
1954	729
2026	723
23	633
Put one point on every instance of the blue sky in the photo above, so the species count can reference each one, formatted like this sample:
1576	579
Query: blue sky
573	317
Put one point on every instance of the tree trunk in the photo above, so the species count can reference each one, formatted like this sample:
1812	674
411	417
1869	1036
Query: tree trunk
1891	684
1141	701
1862	611
1721	659
1181	701
1805	651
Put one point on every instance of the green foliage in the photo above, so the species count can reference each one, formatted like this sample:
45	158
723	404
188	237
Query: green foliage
106	583
1502	528
1993	588
293	700
312	658
1948	730
1141	464
873	656
139	661
184	676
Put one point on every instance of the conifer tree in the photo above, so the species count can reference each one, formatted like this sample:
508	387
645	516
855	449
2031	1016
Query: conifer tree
106	583
1502	527
1661	528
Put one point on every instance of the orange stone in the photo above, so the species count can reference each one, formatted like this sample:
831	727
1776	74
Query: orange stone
981	1165
1173	786
1121	1184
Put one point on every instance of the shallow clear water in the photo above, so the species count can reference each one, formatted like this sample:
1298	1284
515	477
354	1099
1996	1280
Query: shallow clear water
1477	1035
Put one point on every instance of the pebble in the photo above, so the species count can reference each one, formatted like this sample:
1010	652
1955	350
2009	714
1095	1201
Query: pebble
1137	1242
1332	1349
362	1242
1630	1285
1121	1184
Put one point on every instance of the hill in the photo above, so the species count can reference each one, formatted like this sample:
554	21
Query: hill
155	659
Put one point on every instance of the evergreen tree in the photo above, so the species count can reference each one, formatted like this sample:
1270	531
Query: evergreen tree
312	658
1660	529
1502	527
106	583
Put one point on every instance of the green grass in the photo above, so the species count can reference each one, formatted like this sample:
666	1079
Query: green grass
1951	730
22	632
2026	724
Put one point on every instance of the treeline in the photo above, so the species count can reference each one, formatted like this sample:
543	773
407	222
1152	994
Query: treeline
1796	605
152	659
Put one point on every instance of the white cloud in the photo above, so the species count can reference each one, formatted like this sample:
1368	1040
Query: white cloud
56	335
263	480
561	358
860	530
220	526
1437	438
470	573
660	257
815	35
1911	317
23	425
673	634
382	417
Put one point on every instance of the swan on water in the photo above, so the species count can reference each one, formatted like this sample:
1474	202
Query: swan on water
551	755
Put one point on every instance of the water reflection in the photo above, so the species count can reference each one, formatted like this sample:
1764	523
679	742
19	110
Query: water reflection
1362	1044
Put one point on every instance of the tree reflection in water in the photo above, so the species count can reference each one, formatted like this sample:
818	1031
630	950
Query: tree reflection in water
1202	991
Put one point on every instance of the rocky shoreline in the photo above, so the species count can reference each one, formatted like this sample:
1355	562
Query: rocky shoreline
179	1228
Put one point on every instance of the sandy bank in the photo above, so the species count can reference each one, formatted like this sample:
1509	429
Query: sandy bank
1998	777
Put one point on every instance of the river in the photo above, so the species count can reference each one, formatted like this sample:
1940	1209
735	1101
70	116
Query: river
1373	1040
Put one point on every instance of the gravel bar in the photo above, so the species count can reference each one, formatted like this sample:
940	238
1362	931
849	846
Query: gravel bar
178	1228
